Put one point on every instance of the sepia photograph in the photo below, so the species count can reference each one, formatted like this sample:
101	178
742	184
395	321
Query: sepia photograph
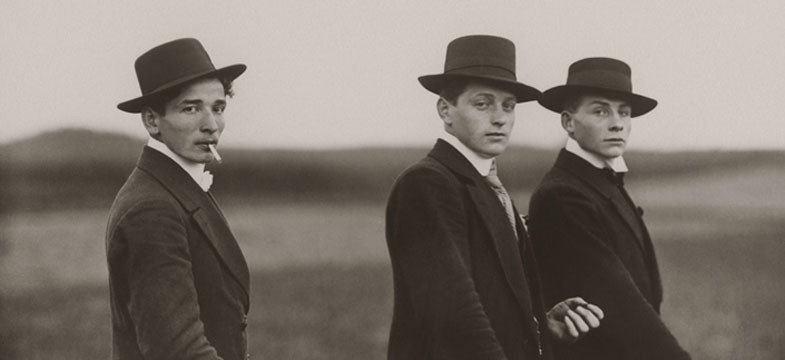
392	180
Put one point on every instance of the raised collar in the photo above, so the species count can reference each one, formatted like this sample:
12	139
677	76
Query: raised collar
480	163
616	164
195	170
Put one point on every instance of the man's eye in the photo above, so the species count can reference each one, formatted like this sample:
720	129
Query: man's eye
509	107
219	109
601	112
625	113
482	105
190	109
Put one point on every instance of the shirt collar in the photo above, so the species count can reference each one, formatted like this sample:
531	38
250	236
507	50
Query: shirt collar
194	169
617	164
480	163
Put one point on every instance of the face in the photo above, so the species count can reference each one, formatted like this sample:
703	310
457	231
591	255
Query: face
600	125
193	120
482	118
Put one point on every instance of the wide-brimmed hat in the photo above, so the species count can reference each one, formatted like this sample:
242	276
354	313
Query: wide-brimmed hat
172	64
602	76
490	59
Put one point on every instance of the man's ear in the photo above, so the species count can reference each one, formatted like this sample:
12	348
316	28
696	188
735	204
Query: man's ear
568	122
150	121
443	109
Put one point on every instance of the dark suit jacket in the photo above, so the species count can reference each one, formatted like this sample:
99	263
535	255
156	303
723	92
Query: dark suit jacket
464	288
591	242
178	280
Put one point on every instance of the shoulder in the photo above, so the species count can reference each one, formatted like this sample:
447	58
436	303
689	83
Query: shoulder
428	184
558	181
143	196
425	173
558	187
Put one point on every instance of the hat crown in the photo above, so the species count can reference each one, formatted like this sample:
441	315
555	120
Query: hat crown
171	62
481	55
598	76
602	73
481	58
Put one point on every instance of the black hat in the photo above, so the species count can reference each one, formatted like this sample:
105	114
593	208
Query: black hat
172	64
597	76
481	57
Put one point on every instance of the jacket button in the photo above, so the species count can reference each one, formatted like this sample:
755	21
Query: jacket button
245	322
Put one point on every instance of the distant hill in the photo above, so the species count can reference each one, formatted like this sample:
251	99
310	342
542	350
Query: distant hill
75	168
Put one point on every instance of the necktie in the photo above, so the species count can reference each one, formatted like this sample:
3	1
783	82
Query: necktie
617	178
501	193
206	181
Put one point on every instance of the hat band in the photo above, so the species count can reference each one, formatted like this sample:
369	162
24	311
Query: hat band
611	80
467	61
483	71
180	79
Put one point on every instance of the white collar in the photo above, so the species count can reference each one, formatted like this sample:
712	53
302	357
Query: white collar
480	163
617	164
194	169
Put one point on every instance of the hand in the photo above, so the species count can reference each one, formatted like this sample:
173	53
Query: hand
571	319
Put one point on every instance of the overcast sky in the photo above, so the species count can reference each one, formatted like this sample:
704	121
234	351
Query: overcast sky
344	73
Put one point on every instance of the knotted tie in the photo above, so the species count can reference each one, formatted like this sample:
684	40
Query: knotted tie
617	178
501	193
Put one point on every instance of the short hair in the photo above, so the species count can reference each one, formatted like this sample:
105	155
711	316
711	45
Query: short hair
158	103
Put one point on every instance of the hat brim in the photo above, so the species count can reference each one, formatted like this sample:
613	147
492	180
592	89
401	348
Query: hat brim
523	93
136	105
553	99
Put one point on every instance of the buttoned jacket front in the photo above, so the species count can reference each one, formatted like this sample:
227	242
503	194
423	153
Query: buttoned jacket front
465	286
592	242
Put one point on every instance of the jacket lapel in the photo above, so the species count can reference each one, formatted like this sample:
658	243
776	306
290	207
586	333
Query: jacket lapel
493	216
203	209
594	177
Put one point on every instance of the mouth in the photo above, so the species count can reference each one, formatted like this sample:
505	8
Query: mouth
496	135
615	140
205	144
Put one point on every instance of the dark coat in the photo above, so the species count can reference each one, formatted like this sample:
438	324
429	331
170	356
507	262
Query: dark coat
592	242
464	288
178	280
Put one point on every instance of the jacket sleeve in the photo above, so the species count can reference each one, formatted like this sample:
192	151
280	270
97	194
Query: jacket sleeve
162	298
427	237
573	252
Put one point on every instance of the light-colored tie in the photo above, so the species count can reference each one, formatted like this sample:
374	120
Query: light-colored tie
501	193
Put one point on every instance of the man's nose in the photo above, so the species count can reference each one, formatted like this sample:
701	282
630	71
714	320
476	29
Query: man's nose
209	122
500	117
617	123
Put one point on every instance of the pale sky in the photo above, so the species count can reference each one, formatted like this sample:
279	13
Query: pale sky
326	74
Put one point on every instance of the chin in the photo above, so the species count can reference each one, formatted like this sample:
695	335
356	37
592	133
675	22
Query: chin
200	159
613	153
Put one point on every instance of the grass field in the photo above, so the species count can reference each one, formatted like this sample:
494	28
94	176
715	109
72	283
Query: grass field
322	284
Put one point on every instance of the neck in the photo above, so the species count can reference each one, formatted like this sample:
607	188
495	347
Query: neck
194	169
617	164
481	164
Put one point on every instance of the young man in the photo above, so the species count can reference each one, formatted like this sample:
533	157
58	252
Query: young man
178	281
465	278
581	215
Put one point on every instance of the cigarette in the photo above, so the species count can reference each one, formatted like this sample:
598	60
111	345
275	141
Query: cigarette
215	153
